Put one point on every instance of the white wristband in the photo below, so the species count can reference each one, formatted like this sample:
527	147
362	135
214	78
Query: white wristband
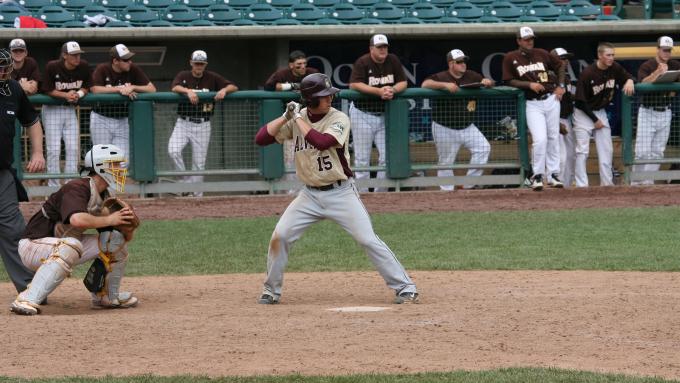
286	86
80	93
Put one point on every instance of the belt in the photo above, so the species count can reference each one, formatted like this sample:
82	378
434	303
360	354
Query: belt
657	108
332	186
195	120
540	98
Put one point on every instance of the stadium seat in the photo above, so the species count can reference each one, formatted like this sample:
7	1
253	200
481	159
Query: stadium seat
520	3
426	12
583	9
74	24
369	21
565	16
138	15
652	7
465	11
387	13
544	10
118	24
286	21
324	3
160	23
480	3
282	3
54	15
441	3
402	3
159	5
75	5
222	14
201	23
96	9
306	13
34	5
504	10
450	20
117	5
243	22
529	19
198	5
262	14
412	20
328	21
363	4
180	14
489	19
8	12
346	13
238	3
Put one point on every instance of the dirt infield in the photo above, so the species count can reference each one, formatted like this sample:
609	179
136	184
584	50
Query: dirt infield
625	322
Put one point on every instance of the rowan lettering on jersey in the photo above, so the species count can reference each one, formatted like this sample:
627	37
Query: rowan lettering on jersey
596	86
532	66
104	75
365	70
58	77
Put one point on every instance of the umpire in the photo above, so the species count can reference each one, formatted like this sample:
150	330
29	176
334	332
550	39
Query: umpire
16	105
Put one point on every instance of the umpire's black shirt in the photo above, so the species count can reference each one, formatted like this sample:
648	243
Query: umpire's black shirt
13	107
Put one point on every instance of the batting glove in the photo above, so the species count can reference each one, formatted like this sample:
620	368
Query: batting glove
292	110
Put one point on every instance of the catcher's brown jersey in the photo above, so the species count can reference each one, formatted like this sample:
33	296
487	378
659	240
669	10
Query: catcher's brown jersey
104	75
656	99
286	75
377	75
455	113
534	67
59	78
596	87
28	71
317	167
209	82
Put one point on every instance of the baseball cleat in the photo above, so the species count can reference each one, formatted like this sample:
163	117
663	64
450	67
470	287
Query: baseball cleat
23	308
407	297
267	299
555	181
125	300
537	182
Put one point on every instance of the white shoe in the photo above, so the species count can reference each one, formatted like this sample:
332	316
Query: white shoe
555	182
24	308
125	300
537	182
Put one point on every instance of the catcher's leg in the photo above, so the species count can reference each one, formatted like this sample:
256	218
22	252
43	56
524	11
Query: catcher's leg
114	254
65	253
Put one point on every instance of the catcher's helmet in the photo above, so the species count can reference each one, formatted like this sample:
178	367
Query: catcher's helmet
316	85
6	68
101	160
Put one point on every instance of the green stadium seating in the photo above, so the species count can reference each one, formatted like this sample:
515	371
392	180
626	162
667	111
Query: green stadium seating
363	4
54	15
8	12
583	9
306	13
138	15
96	9
481	3
158	5
180	14
346	13
263	14
489	19
504	10
34	5
282	3
243	22
286	21
465	11
117	5
201	23
118	24
324	3
440	3
544	10
410	20
160	23
426	12
74	24
222	14
75	5
402	3
652	7
328	21
529	19
387	13
450	20
238	3
565	16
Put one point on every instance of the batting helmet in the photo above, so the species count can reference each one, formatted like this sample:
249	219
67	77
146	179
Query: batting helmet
6	68
316	85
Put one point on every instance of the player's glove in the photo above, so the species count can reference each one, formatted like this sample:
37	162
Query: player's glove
292	110
563	129
113	204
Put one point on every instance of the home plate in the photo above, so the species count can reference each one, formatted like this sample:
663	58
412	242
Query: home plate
358	309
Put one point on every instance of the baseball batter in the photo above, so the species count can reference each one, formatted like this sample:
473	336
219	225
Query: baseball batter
528	68
594	91
453	119
377	73
193	120
69	79
320	134
654	114
567	137
55	240
109	122
26	71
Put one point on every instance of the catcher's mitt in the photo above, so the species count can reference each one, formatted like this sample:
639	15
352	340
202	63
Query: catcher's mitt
113	204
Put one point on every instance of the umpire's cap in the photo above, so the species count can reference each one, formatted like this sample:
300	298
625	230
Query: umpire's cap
316	85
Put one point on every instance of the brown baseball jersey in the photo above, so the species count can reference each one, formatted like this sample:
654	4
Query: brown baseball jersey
29	71
377	75
317	167
285	75
57	77
534	67
567	101
596	87
104	75
455	113
656	99
209	82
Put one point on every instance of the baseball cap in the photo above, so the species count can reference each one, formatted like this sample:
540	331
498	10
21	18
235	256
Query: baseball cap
379	40
525	33
665	42
562	53
17	44
120	51
199	56
72	48
456	54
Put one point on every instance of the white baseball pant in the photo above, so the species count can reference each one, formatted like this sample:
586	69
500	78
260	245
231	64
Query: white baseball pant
543	121
198	134
289	163
34	252
367	128
448	142
583	127
61	123
653	129
107	130
567	153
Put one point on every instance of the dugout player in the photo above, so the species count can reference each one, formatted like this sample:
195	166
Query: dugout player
377	73
321	136
453	118
654	114
55	240
527	68
594	91
567	137
109	122
26	70
193	120
68	78
13	99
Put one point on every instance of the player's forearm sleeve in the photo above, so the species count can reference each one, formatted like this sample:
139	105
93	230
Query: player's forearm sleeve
320	141
263	138
586	109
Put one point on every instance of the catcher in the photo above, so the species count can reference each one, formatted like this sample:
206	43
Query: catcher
55	240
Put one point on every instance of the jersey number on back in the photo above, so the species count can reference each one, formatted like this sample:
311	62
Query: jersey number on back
324	163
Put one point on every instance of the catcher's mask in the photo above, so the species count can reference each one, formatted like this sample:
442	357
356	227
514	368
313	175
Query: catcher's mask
108	161
314	86
6	68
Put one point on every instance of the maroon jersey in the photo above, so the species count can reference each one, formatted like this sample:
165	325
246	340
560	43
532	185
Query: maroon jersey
57	77
28	71
367	71
285	75
72	198
596	87
209	82
655	100
104	75
455	113
533	67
